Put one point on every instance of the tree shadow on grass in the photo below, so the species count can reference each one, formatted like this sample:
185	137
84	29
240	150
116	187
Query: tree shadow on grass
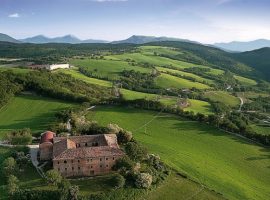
35	123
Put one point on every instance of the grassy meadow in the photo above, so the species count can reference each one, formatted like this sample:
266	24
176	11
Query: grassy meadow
223	97
206	154
169	81
27	111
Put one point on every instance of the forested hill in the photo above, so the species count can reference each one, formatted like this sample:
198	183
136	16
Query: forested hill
254	64
258	59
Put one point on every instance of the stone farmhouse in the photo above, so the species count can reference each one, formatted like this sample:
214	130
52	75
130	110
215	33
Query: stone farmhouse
57	66
78	156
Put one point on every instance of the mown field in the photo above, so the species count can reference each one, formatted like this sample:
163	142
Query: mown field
27	111
223	97
107	68
169	81
221	161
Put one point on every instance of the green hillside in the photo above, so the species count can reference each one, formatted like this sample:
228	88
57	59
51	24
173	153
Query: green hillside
222	162
28	111
223	97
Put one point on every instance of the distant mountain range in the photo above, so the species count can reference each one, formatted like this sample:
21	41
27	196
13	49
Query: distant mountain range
139	39
7	38
41	39
244	46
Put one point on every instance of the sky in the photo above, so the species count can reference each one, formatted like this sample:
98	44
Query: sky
206	21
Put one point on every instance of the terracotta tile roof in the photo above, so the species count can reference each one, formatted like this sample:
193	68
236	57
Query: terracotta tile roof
89	152
65	147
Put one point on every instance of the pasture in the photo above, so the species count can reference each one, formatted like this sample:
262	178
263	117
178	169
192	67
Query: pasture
216	159
169	81
245	81
107	68
27	111
223	97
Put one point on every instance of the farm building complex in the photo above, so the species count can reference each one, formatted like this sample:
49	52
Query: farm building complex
87	155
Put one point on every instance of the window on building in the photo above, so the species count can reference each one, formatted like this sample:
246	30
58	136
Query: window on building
100	159
87	160
79	168
58	169
100	166
107	165
58	162
91	159
72	168
113	158
86	144
65	169
78	160
65	161
107	158
91	167
71	161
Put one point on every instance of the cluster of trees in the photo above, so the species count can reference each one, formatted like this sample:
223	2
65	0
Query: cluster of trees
231	121
7	88
56	51
134	80
56	85
129	166
261	104
20	137
13	166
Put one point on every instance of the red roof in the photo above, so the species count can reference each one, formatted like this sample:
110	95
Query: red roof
47	137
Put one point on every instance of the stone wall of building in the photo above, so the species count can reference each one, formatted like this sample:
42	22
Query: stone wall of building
46	151
85	167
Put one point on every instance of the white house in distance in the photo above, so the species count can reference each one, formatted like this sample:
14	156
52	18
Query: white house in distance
57	66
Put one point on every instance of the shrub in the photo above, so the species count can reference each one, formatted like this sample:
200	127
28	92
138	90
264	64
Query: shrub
9	166
143	180
21	137
119	181
12	184
53	177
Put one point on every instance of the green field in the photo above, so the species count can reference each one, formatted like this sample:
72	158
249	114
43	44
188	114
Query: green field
225	163
107	68
223	97
28	111
245	81
263	129
150	50
182	73
169	81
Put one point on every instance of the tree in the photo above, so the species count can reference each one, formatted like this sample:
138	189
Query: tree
124	137
119	181
73	192
12	184
53	177
9	166
124	163
135	151
143	180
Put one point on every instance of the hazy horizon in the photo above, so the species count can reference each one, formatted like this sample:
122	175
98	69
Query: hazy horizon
205	21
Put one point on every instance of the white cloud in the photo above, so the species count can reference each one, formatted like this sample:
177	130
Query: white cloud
14	15
102	1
